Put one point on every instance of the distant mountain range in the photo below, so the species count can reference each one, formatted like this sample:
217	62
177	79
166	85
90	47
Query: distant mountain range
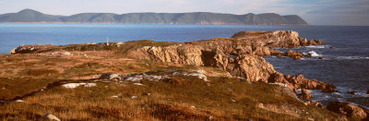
32	16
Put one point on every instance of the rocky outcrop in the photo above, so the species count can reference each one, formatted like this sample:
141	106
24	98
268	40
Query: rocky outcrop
305	95
348	110
180	53
299	81
31	48
259	43
282	39
290	53
237	65
240	55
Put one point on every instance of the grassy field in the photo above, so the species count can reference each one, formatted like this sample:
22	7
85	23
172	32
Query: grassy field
180	98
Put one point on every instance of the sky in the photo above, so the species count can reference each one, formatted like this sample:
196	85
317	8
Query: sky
315	12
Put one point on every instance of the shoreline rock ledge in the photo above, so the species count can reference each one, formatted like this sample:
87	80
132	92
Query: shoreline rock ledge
241	55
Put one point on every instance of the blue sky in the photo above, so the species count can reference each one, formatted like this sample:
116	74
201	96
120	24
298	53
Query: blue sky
316	12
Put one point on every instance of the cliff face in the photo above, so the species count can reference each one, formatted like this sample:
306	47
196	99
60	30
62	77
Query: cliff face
251	67
29	15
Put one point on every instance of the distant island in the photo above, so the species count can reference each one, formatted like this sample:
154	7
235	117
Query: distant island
32	16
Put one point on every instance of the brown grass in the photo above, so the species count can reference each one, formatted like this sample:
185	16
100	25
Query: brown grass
38	72
192	100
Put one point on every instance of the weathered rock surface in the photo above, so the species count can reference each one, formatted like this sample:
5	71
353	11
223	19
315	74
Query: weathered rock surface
153	76
299	81
31	48
348	109
240	55
181	54
305	95
51	117
236	64
282	39
295	55
74	85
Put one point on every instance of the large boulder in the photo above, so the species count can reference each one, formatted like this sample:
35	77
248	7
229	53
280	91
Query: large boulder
51	117
254	68
347	109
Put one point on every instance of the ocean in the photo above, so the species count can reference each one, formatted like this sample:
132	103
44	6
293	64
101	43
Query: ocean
345	50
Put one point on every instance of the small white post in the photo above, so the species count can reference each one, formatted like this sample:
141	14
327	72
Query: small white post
107	41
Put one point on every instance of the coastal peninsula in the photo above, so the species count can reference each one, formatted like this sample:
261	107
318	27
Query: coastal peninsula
215	79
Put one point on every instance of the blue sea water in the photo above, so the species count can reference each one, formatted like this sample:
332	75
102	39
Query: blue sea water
345	50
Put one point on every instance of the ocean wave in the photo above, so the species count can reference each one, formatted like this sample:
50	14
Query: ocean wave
314	54
318	46
351	58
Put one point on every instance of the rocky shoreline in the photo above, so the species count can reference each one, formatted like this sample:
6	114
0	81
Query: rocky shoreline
241	56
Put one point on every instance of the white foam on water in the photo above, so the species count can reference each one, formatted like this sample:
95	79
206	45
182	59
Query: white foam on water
314	54
317	46
351	58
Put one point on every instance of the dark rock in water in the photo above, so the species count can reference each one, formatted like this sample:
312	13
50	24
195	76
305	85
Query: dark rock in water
329	88
299	81
295	55
351	92
305	95
320	58
308	55
277	53
348	110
